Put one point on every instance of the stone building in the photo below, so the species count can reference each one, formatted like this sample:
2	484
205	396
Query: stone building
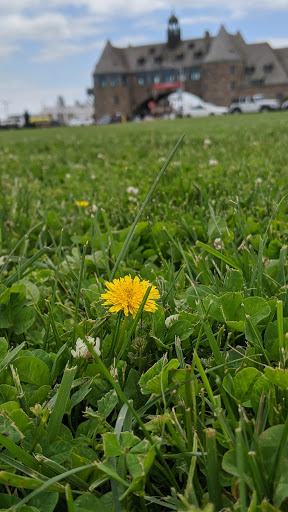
130	80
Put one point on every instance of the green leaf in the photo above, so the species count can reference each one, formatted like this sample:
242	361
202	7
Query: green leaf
88	503
216	227
155	380
58	410
10	356
9	429
107	403
271	340
59	451
3	348
112	447
32	370
244	382
39	396
277	376
45	501
198	291
138	483
241	387
181	328
233	281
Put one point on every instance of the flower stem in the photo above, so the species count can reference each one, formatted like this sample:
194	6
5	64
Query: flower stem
121	335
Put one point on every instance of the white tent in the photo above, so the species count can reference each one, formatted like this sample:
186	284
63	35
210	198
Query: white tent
182	101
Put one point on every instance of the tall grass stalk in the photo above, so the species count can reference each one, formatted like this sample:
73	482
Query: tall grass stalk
129	237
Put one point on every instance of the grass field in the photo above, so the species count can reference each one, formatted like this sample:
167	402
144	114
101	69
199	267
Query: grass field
178	407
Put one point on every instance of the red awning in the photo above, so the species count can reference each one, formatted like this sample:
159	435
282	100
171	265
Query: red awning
167	85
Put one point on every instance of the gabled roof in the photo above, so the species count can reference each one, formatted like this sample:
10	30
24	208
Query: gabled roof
223	48
112	60
260	55
282	56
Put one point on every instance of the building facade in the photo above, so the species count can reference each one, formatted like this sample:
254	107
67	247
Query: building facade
217	69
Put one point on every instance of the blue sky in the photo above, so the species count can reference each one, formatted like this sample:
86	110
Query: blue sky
51	50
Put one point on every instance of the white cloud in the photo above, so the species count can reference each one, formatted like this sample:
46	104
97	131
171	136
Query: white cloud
47	26
278	42
53	52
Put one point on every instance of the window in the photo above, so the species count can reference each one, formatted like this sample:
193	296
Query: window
191	46
232	70
257	83
116	100
180	56
141	80
124	80
268	68
232	86
141	61
158	59
249	70
151	51
156	78
102	81
198	55
195	74
114	80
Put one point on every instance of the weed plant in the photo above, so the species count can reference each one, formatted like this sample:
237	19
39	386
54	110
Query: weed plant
180	408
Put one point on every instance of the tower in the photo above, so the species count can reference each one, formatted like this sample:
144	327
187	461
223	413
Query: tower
173	32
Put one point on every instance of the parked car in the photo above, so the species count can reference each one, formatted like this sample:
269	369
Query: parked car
81	121
189	105
253	104
204	110
12	122
284	105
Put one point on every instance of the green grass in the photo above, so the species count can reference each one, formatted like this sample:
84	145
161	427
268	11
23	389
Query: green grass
184	415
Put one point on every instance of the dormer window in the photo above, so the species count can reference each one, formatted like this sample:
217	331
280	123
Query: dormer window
151	51
141	61
249	70
191	46
179	57
158	59
198	55
268	68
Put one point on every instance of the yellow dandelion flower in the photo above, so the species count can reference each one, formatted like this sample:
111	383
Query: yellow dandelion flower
82	204
126	294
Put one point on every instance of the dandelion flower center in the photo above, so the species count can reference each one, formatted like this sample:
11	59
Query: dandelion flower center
126	294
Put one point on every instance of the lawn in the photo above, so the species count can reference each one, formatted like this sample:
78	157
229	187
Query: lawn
144	316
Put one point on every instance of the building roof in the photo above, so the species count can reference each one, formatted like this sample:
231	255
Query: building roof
267	67
223	48
262	63
153	56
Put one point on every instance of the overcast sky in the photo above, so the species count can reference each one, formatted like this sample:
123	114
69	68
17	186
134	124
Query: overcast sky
50	48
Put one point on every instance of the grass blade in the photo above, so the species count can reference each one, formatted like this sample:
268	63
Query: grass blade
146	201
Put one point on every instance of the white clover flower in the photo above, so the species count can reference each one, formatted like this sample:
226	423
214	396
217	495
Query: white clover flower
258	181
100	156
2	260
132	190
82	350
170	320
218	244
132	199
67	175
213	161
206	143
